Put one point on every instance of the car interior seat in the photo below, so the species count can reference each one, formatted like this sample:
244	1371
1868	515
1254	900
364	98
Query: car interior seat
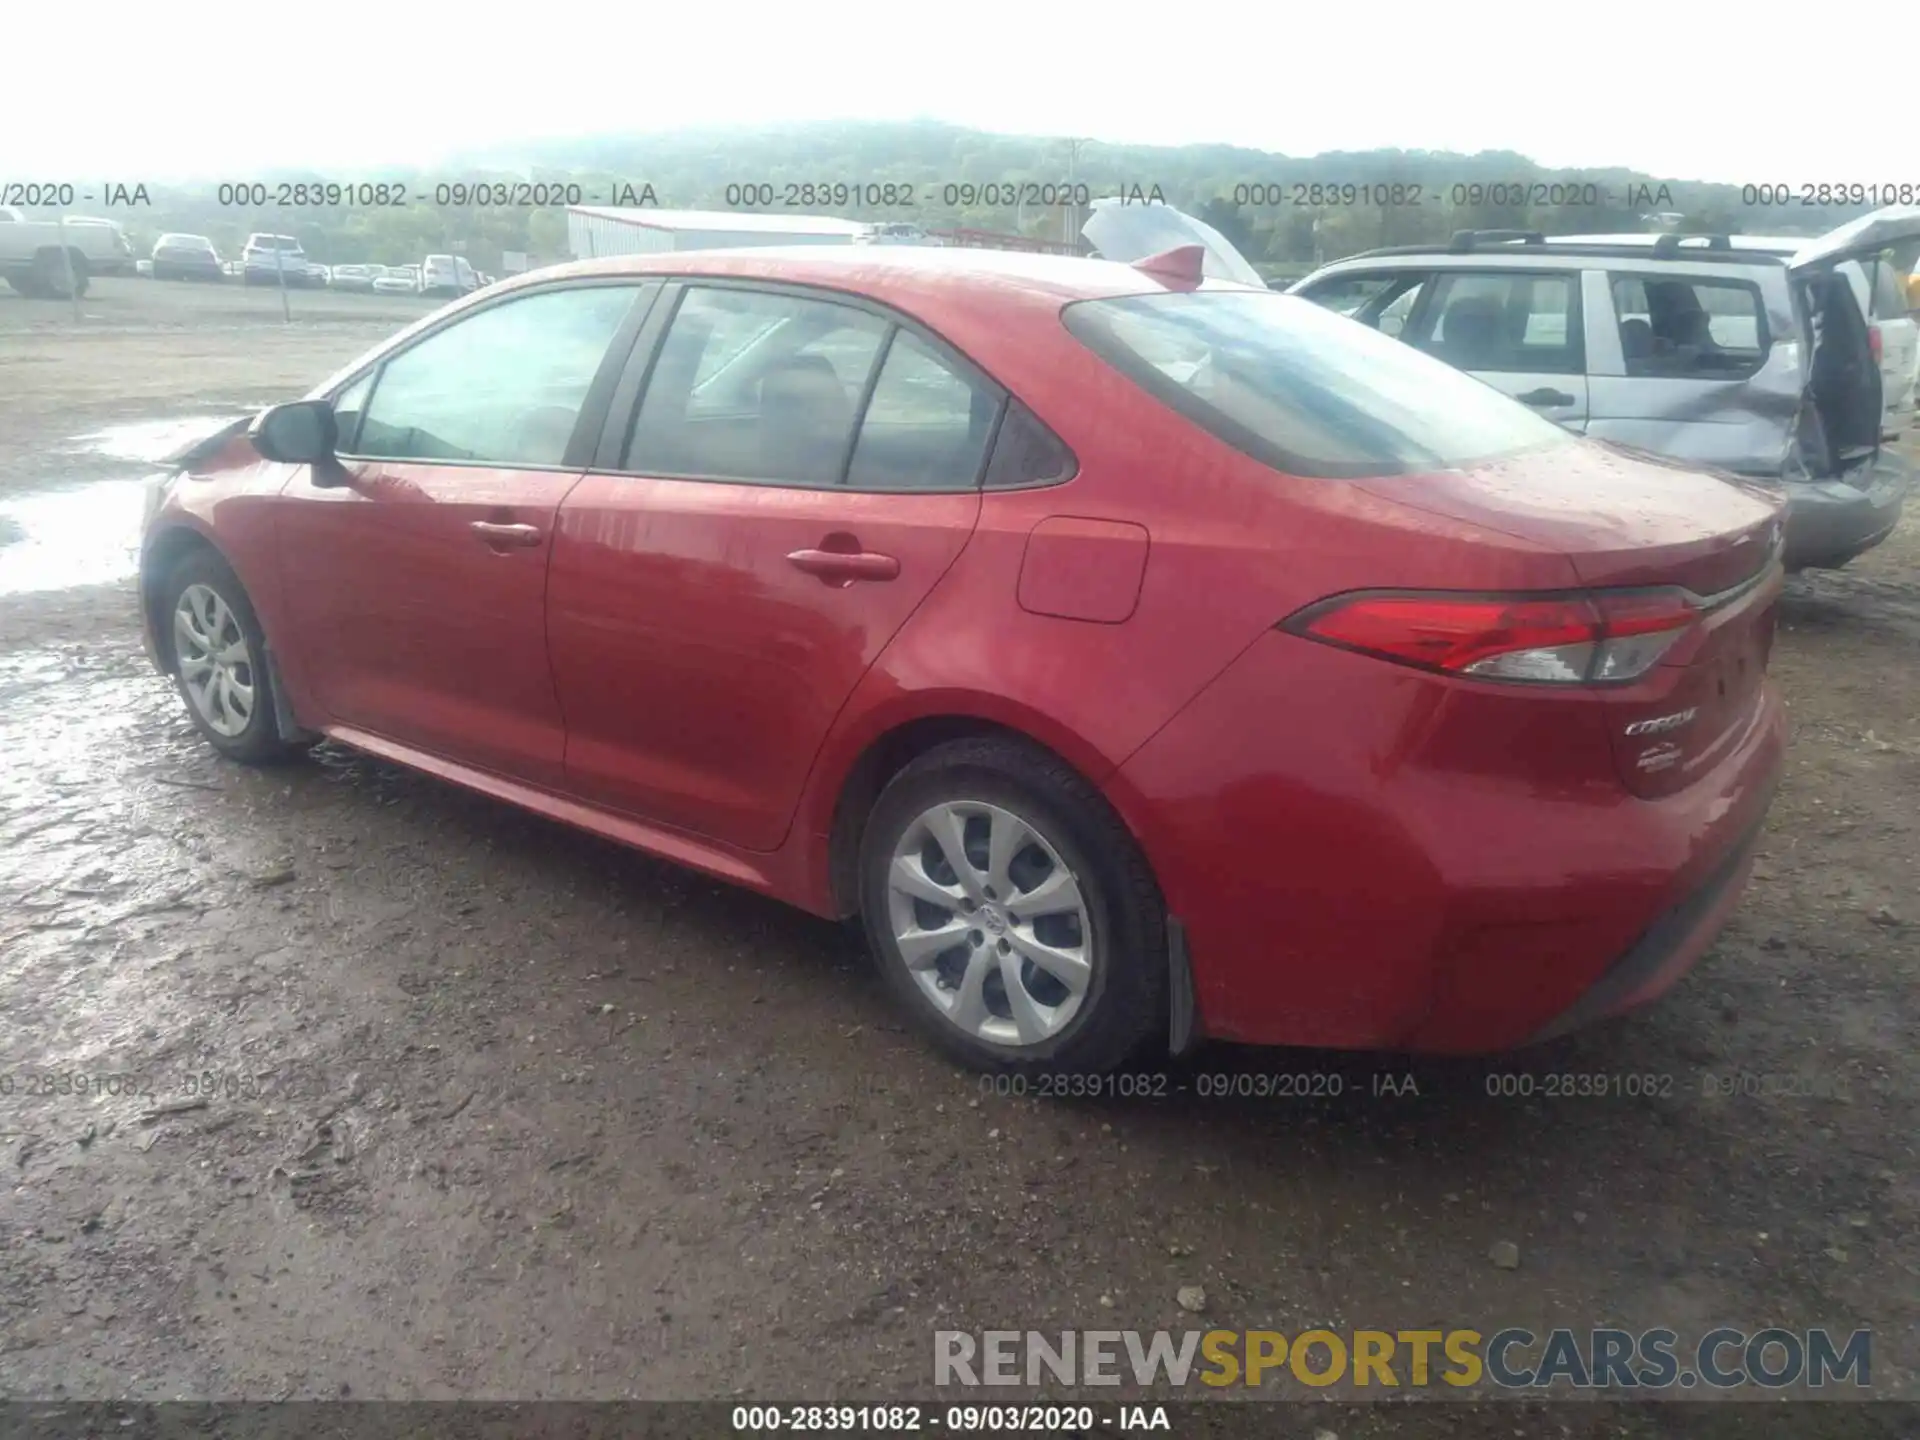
1470	331
805	421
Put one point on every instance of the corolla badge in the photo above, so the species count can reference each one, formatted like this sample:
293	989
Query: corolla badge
1662	724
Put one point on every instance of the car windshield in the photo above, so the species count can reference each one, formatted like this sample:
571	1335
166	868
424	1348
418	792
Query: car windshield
1302	389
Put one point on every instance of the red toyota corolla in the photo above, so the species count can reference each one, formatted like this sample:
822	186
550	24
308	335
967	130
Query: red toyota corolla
1142	657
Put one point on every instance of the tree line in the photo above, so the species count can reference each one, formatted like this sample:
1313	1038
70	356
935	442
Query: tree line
1286	213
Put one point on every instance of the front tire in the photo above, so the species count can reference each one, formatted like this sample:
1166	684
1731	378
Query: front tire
220	662
1011	912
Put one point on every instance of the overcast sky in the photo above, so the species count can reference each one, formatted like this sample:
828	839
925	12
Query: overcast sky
164	91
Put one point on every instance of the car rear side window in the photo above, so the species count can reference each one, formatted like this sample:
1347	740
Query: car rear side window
502	386
1689	327
1302	389
926	425
1512	323
1027	453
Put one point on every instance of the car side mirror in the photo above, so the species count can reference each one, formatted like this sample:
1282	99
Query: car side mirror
301	433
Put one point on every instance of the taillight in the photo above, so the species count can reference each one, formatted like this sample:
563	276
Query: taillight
1603	637
1875	344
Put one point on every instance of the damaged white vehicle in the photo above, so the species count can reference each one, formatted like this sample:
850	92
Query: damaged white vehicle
1737	354
1724	353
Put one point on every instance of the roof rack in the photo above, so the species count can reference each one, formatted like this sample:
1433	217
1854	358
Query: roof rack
1669	243
1534	246
1465	240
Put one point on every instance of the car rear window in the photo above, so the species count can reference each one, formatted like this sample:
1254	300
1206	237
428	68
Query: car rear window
1685	328
1303	389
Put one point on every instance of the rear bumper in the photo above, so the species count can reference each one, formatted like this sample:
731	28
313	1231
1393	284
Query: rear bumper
1830	522
1666	950
1394	881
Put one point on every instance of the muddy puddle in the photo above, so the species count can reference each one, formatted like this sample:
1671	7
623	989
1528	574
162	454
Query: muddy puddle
83	528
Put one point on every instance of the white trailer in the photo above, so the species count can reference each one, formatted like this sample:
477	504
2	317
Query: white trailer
597	230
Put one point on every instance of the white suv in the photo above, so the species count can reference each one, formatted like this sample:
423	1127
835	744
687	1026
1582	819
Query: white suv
447	275
270	258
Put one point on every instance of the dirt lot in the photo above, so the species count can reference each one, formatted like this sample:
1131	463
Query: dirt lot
463	1104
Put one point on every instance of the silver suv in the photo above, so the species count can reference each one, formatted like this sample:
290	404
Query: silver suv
1698	348
274	260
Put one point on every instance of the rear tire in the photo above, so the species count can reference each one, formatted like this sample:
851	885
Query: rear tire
1077	983
220	661
50	274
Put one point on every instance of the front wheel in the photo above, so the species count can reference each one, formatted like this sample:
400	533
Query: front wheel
1012	913
220	662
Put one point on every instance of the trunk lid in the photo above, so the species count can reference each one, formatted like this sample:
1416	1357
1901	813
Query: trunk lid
1128	232
1631	521
1843	416
1860	239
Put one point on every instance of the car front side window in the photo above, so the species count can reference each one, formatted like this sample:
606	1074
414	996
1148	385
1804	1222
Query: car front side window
1522	323
504	386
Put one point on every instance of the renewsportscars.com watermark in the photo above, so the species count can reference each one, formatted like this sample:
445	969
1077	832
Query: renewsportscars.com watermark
1510	1359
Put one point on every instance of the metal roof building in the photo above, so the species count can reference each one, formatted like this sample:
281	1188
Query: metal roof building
596	230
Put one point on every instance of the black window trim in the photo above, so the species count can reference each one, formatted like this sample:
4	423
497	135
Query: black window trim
623	414
1763	336
647	290
1418	323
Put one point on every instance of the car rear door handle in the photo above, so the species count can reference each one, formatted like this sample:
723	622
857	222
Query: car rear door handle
501	536
1545	396
845	566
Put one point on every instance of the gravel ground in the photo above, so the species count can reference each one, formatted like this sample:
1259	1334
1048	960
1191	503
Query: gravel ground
439	1100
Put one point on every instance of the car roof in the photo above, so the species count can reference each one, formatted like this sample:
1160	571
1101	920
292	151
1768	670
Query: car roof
922	280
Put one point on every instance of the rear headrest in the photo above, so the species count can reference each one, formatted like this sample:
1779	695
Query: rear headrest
803	381
1471	322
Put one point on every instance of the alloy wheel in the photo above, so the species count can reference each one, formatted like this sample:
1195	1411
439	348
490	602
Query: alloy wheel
991	923
216	665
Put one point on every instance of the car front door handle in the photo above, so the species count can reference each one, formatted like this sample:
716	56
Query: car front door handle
843	567
502	536
1545	397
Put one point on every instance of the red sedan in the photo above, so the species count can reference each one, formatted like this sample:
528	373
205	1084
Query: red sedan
1141	656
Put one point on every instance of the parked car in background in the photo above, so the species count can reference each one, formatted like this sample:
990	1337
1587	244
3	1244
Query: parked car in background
398	280
318	274
186	257
355	277
274	260
1711	350
114	248
448	275
894	233
31	258
976	593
